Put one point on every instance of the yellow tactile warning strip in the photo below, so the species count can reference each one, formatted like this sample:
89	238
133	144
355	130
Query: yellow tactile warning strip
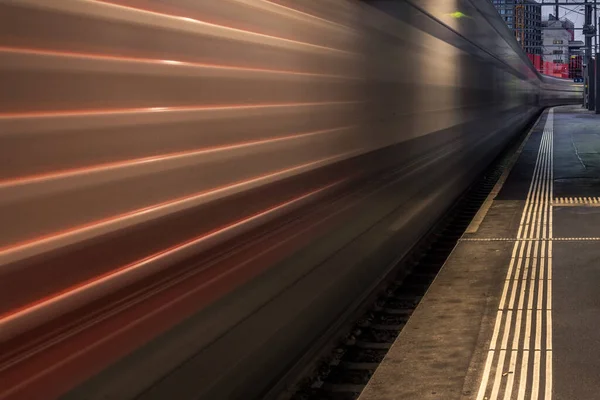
556	239
577	201
519	361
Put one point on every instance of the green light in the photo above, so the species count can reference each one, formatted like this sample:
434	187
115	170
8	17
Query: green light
457	15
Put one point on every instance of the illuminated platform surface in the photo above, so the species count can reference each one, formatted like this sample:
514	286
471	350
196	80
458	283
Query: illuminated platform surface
514	312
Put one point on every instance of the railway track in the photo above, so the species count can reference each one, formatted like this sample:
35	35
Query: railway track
343	373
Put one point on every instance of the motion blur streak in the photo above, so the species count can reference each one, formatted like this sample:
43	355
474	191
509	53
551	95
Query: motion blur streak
140	16
39	245
20	58
32	315
171	158
116	112
195	193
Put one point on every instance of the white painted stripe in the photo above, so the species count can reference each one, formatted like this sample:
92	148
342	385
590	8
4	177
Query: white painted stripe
531	295
540	297
549	331
529	264
549	268
548	388
498	377
523	293
538	330
514	282
529	193
514	353
535	376
542	260
486	370
511	374
506	334
523	377
508	277
548	281
496	332
548	369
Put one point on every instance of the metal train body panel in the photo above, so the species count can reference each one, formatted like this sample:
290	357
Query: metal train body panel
136	135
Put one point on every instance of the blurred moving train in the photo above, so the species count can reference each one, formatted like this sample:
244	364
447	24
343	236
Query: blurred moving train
195	193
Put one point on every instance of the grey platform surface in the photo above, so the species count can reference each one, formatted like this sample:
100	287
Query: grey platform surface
469	338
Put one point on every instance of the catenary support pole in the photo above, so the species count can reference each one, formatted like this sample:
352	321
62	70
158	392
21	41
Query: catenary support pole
597	86
592	80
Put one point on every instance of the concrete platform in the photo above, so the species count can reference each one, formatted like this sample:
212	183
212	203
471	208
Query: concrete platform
515	311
